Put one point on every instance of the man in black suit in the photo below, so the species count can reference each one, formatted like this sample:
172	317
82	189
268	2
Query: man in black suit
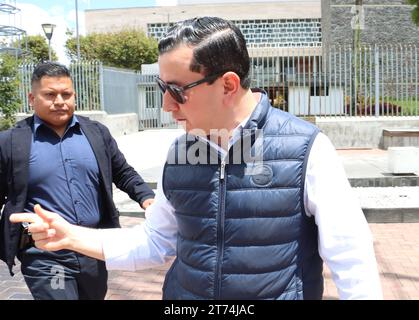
67	163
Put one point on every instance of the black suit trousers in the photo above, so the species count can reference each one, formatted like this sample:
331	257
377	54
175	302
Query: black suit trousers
63	275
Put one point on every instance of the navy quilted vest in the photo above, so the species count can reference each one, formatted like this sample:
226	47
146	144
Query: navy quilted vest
245	236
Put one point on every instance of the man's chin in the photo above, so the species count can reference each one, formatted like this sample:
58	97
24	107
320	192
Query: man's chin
190	129
182	123
59	121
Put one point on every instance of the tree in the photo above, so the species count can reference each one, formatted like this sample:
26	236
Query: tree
415	12
38	49
124	49
9	90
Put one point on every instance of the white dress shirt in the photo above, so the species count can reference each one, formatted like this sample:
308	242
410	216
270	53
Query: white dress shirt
345	241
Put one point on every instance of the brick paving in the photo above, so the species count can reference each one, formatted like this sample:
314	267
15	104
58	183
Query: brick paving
397	252
12	288
396	246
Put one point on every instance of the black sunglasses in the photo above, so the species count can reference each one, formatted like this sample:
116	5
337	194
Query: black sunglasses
177	92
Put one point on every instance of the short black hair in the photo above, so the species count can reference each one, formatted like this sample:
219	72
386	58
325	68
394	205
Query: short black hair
49	69
218	46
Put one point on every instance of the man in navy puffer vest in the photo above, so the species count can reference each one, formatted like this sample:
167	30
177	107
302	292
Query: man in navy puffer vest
252	199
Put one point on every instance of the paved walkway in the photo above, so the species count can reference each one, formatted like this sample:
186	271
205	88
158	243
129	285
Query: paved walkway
396	246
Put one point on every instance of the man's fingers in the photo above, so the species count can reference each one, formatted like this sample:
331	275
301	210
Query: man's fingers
24	217
47	216
44	235
41	215
38	227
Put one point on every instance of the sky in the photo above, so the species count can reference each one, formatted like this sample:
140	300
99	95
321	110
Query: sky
63	14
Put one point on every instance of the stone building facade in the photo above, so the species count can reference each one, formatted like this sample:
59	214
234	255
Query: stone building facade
383	22
269	33
264	24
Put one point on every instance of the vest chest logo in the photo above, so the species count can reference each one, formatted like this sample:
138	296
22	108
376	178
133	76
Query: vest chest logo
261	175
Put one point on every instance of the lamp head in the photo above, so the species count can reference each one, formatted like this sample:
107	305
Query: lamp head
48	30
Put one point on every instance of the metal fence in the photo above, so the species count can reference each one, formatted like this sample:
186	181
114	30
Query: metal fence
151	113
126	91
25	73
324	82
109	89
340	81
120	90
335	81
88	84
87	77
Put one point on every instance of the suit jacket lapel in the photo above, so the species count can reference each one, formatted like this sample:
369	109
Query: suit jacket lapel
95	138
21	148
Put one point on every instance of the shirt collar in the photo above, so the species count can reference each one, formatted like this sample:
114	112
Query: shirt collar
38	122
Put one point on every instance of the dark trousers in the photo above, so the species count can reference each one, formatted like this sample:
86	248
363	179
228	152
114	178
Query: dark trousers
63	275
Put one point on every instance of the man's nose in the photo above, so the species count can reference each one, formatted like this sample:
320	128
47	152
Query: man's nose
169	104
59	99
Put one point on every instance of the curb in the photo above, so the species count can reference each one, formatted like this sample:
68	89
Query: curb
382	182
391	215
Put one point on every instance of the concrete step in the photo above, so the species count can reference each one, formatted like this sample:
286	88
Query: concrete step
380	205
391	215
390	204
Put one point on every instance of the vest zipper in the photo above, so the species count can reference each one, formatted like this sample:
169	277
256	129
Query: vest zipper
220	232
222	170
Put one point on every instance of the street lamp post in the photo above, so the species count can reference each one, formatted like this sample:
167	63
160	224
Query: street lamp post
48	30
77	30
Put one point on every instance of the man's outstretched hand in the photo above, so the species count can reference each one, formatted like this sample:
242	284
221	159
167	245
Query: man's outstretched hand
49	230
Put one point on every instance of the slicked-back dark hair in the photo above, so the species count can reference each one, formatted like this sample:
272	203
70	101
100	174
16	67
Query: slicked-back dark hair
49	69
218	46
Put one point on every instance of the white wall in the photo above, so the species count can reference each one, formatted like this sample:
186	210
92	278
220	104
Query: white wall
362	132
298	102
328	105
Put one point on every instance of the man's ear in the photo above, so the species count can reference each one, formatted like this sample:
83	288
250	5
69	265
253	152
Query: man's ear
31	99
231	83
